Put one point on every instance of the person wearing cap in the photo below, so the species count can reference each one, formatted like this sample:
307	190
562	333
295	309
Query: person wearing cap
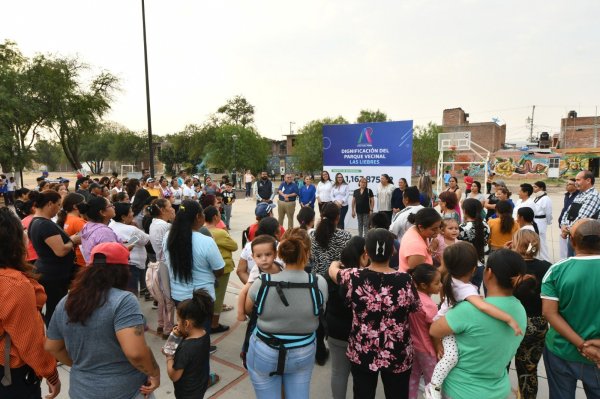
543	216
262	210
98	330
570	303
23	360
152	189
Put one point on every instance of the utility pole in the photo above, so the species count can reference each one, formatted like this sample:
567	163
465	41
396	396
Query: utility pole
596	128
291	131
150	146
530	122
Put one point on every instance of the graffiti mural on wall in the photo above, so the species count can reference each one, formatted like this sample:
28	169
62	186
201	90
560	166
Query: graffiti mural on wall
570	165
527	165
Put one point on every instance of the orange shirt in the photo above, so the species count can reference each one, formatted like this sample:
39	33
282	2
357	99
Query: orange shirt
497	238
73	225
22	298
31	254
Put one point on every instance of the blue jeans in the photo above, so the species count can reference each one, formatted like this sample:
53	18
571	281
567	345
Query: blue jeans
299	363
563	376
343	212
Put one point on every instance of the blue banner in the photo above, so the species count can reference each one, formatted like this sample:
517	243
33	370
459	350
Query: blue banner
368	144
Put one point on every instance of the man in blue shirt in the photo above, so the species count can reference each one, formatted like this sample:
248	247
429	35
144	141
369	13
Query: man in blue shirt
288	192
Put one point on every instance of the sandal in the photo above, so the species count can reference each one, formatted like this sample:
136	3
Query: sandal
219	329
213	379
226	308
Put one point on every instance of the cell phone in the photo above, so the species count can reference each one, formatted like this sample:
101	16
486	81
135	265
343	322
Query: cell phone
133	240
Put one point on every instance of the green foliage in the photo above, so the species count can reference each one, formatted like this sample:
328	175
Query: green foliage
96	147
248	150
309	143
237	111
127	146
48	153
425	146
367	115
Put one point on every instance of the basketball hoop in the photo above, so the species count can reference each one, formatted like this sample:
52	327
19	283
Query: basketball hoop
452	148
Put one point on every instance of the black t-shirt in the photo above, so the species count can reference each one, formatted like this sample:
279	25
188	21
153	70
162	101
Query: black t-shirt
228	197
339	314
397	197
492	200
361	201
531	300
192	356
51	267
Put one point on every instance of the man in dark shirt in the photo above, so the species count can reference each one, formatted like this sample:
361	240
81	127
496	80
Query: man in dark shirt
570	195
264	189
83	189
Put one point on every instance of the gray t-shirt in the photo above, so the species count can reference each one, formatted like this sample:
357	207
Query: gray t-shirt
100	369
299	317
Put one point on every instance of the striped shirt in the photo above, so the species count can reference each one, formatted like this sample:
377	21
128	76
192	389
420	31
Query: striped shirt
22	298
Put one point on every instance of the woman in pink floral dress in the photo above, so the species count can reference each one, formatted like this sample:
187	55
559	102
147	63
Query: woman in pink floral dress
381	299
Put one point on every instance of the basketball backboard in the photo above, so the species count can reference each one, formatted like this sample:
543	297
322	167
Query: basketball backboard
455	141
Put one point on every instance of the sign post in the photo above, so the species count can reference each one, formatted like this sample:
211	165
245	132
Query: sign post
368	150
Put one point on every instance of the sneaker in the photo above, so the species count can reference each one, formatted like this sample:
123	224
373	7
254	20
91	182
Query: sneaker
432	392
154	305
213	349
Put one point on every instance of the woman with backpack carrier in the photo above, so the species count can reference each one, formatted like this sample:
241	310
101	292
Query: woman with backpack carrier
288	304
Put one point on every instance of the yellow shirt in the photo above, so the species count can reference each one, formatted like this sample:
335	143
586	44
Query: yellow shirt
154	192
497	238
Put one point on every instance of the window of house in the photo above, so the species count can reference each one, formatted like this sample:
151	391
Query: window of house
554	162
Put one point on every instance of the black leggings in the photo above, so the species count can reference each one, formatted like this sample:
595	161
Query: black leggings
395	385
55	291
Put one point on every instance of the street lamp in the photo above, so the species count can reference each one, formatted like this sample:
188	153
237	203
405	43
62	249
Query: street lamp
234	177
150	147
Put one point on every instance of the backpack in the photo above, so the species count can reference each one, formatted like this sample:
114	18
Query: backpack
153	280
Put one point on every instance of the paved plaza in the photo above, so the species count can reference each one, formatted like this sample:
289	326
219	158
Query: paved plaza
235	382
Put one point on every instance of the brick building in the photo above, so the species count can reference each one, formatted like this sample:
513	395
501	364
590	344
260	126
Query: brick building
578	132
489	135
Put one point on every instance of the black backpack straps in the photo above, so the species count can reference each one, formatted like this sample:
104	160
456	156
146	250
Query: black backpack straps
317	295
262	292
312	285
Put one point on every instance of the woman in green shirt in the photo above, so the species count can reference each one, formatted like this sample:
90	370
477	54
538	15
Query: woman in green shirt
486	345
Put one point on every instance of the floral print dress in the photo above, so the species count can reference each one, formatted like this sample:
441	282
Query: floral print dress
380	303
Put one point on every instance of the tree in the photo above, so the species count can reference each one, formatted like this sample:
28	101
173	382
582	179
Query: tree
237	111
73	111
309	143
21	117
367	116
127	146
96	148
425	146
48	153
247	151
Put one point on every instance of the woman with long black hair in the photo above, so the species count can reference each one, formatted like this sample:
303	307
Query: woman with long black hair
474	230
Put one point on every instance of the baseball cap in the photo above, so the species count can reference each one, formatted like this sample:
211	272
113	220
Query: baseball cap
150	180
500	183
263	209
114	252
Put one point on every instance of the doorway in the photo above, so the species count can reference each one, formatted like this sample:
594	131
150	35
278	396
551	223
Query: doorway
595	166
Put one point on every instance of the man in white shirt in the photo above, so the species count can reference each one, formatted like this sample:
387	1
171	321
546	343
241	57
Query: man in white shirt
412	205
543	216
526	201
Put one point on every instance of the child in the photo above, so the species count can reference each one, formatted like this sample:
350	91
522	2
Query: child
189	368
306	218
459	263
264	252
428	282
449	233
228	200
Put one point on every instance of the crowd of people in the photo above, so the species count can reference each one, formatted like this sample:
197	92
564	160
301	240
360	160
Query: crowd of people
77	263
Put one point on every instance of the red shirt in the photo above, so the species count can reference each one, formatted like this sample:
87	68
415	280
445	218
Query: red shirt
469	182
254	227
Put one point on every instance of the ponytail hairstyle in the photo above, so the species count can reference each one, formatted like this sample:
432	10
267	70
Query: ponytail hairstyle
425	217
460	260
71	202
423	274
23	191
305	216
41	199
141	199
294	247
472	208
352	252
95	206
156	207
328	224
379	244
268	226
526	243
210	213
529	216
179	241
504	211
509	268
197	309
121	210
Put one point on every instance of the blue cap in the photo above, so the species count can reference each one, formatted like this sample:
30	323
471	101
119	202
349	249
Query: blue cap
263	209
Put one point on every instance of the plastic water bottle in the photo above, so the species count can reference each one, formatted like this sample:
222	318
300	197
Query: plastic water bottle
172	343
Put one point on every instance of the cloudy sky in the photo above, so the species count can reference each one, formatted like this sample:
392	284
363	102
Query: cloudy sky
306	60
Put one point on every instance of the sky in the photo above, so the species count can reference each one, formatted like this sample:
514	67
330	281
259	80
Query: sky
300	61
